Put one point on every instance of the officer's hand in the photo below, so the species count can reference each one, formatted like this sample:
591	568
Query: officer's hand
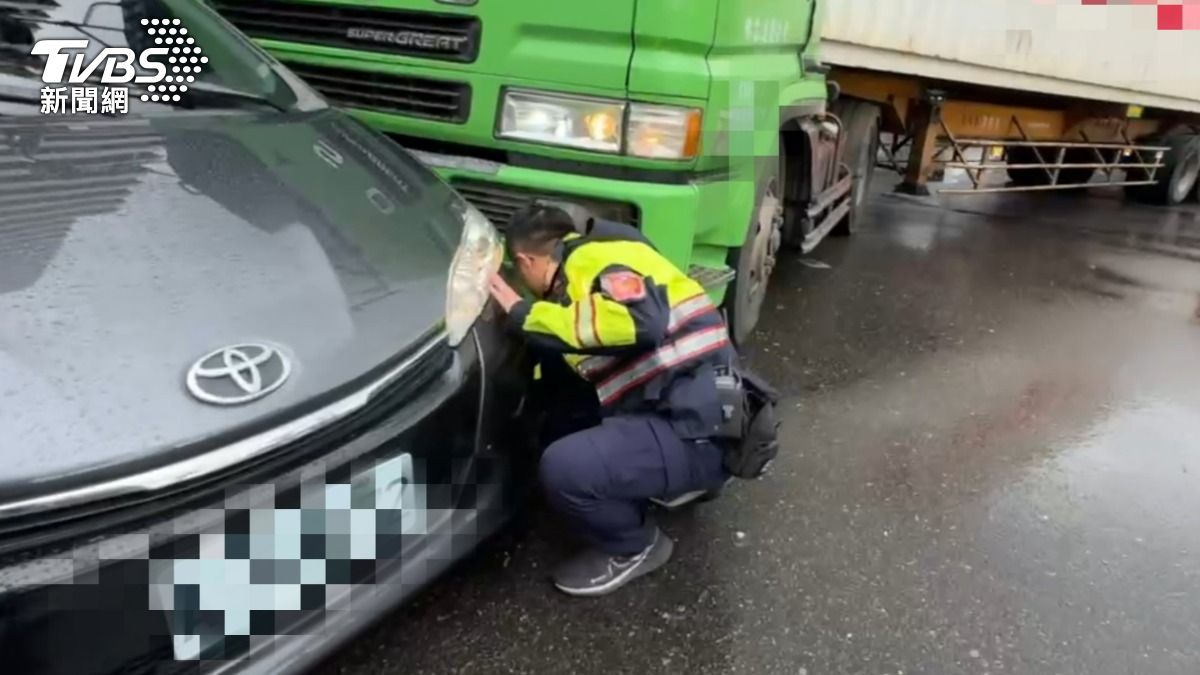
504	294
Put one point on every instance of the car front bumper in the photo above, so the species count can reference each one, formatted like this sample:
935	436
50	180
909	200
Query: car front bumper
270	574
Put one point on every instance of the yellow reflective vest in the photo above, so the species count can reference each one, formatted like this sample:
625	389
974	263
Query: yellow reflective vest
632	323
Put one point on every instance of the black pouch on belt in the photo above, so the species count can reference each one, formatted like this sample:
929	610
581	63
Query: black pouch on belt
750	430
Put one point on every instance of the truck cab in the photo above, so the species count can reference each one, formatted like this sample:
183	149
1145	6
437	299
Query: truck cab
702	122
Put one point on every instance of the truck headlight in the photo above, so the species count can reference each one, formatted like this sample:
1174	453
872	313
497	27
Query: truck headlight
557	119
599	124
662	131
478	256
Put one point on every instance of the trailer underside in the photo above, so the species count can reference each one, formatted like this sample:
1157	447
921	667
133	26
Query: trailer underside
1037	142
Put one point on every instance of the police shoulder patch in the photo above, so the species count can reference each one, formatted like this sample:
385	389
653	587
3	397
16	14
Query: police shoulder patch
623	286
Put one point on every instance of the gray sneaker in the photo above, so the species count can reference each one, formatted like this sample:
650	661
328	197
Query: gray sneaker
597	573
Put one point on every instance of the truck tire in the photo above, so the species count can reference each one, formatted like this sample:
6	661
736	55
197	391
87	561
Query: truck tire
1177	179
1036	177
754	261
860	123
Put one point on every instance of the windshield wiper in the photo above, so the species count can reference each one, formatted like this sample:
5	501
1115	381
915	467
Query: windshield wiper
12	97
217	92
17	99
34	98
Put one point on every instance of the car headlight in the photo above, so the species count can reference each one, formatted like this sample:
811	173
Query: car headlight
662	131
573	121
478	256
600	124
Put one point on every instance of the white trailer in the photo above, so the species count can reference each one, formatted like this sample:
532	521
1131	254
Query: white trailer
1055	93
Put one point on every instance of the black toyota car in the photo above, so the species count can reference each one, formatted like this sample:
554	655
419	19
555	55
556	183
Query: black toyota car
251	393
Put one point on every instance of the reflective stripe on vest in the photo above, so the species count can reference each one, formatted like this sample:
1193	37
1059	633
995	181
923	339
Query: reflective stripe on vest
681	314
585	323
593	365
687	310
659	361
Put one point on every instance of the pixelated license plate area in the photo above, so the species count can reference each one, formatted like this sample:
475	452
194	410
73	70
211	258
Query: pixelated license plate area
271	568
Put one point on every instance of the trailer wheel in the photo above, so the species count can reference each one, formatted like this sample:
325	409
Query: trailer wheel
754	262
1035	177
860	122
1178	177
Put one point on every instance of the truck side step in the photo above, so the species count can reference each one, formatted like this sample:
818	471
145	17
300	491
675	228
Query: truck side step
711	277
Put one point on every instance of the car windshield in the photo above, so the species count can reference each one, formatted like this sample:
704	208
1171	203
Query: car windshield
209	64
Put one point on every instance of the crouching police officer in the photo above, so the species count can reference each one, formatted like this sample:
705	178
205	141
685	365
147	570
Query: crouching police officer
650	343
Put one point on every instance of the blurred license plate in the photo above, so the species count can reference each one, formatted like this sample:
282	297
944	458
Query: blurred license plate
268	559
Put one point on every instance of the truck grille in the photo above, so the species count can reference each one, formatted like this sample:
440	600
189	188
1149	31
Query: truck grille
448	37
499	202
383	92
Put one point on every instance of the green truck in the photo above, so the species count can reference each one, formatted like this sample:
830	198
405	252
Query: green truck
703	122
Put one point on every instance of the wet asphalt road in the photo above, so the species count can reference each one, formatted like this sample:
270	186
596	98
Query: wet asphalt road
992	465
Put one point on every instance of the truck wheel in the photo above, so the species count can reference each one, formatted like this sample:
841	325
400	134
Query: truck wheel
1178	177
1035	177
860	122
754	262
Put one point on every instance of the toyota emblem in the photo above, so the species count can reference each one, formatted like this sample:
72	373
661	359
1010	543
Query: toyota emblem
238	373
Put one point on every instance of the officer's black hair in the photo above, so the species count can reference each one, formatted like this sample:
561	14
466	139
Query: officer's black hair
538	229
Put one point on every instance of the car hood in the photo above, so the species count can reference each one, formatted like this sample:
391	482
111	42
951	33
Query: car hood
131	248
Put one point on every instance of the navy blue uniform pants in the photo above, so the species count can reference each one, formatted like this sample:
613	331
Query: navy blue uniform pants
601	478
